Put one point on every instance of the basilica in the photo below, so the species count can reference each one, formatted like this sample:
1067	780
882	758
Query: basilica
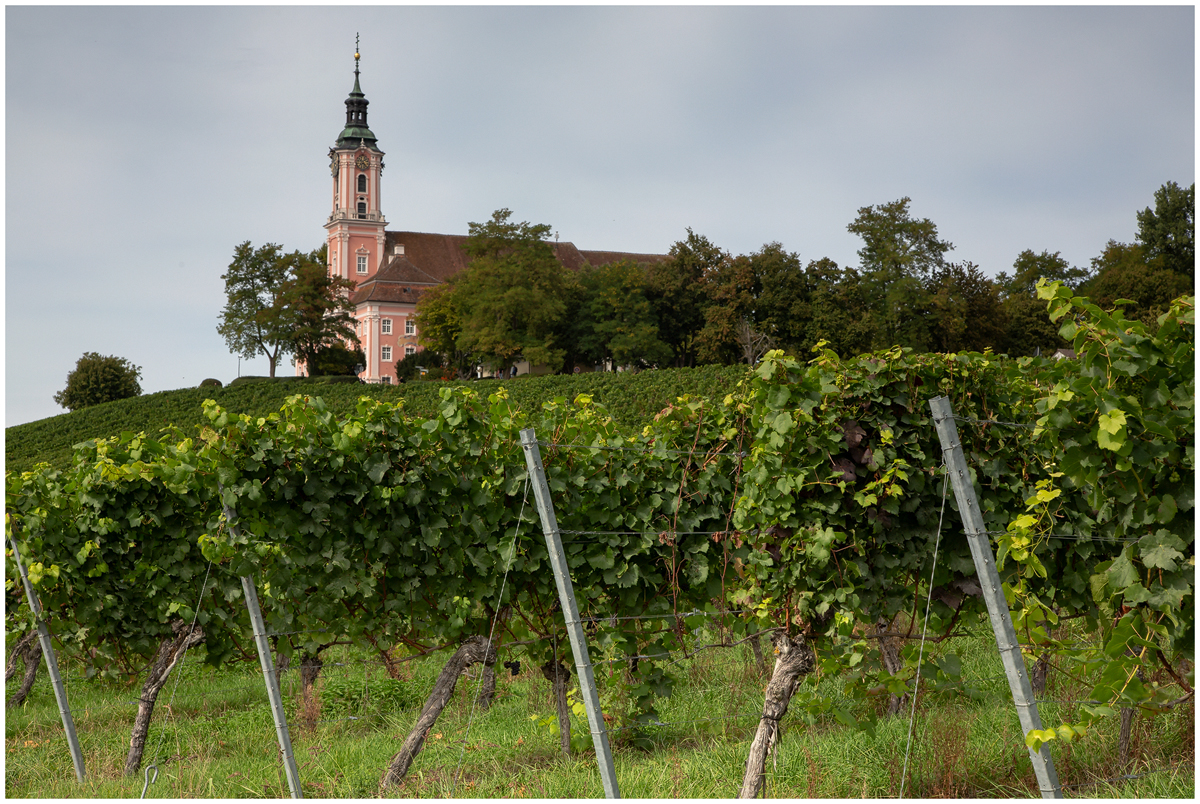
390	269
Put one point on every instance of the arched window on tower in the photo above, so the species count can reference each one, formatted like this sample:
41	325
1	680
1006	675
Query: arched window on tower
362	182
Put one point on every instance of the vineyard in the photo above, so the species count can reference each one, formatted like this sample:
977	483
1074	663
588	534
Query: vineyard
808	505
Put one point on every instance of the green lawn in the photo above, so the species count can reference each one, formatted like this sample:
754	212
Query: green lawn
216	739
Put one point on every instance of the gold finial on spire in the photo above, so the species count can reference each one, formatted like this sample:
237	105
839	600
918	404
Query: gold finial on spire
356	50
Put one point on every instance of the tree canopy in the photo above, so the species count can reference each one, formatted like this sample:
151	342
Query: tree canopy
509	302
97	378
279	304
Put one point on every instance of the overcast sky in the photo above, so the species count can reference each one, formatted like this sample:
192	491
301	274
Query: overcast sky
144	144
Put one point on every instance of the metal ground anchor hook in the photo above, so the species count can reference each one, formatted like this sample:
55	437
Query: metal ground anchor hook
149	781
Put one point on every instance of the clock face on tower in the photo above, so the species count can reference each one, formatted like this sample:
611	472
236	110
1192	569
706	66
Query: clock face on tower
362	163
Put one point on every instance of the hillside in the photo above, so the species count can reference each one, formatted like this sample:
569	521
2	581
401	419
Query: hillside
632	399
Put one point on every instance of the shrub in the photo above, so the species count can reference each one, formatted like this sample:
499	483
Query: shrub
336	361
97	379
211	383
410	367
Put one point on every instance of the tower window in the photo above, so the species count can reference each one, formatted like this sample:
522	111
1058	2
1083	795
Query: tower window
362	263
362	182
386	326
362	209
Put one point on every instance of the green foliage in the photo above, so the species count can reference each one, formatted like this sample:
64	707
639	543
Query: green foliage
676	290
634	399
211	383
322	324
615	320
898	254
336	360
255	319
97	379
1168	232
809	497
510	299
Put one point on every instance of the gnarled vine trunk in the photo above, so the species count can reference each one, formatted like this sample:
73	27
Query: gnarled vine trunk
889	652
29	650
794	658
170	652
487	690
558	676
756	647
476	649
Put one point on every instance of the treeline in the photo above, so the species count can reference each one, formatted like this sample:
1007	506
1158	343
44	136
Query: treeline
705	305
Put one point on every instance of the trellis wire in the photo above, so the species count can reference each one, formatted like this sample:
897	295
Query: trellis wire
647	450
921	655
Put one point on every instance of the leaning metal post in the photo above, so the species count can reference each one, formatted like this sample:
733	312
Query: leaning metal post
268	668
993	594
566	595
60	692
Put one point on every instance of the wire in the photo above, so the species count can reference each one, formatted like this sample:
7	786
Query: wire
924	629
649	450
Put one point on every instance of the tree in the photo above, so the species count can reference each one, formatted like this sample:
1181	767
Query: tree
510	297
1123	271
97	379
614	319
1027	326
439	324
255	319
836	310
964	307
320	314
678	294
1168	232
898	255
730	333
1028	268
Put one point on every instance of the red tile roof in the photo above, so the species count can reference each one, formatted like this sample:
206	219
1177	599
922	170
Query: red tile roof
430	259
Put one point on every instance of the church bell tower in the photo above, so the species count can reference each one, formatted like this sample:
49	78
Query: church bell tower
356	226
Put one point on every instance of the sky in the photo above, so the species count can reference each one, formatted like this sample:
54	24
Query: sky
144	143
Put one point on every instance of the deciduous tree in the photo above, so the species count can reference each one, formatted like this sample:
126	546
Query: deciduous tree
97	378
614	319
321	312
510	297
678	294
898	255
255	319
1168	232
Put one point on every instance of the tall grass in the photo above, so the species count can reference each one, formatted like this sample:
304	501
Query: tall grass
213	737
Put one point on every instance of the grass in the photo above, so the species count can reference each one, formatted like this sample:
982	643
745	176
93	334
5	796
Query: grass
217	739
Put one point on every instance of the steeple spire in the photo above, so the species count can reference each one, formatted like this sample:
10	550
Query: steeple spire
356	113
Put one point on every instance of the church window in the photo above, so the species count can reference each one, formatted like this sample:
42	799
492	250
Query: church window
362	210
409	327
385	379
410	350
386	353
362	263
387	326
362	182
